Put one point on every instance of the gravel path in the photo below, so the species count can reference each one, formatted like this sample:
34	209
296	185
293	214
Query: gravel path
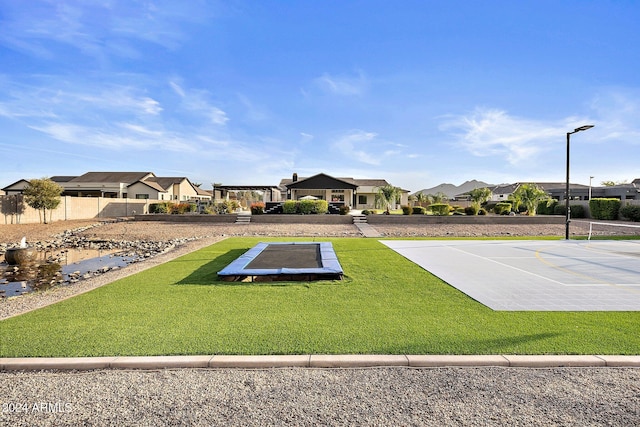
377	396
341	397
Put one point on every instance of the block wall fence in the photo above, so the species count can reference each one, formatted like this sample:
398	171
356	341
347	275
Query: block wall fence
14	211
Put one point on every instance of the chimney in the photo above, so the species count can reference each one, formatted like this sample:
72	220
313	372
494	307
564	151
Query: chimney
295	177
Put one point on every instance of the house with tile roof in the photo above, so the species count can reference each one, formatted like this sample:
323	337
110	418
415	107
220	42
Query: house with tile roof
132	185
357	193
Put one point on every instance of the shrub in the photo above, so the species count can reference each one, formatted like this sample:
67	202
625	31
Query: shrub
289	207
548	209
228	206
559	209
440	209
321	207
471	210
344	209
182	208
368	212
631	212
482	211
578	211
407	210
257	208
163	207
604	208
305	207
419	210
502	208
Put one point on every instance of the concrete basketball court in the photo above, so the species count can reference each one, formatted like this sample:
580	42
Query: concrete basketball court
518	275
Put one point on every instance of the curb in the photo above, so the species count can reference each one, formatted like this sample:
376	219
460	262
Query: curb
315	361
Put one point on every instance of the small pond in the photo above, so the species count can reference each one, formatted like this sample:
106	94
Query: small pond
57	268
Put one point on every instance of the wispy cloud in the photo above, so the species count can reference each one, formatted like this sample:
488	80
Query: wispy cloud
197	101
357	145
96	29
343	85
492	132
618	111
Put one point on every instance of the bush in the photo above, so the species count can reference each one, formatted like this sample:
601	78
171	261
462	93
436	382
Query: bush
502	208
228	206
368	212
604	208
631	212
289	207
182	208
559	209
471	210
419	210
482	211
544	209
305	207
578	211
440	209
257	208
344	209
163	207
321	207
407	210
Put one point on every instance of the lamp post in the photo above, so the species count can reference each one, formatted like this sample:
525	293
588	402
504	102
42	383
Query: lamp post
567	215
590	178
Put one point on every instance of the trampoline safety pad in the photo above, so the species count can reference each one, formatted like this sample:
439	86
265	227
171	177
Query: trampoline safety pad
285	261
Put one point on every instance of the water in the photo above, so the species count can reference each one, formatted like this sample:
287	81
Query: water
58	268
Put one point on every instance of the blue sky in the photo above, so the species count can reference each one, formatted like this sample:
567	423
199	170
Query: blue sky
248	92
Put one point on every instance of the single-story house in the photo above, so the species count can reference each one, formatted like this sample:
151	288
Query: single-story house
356	193
132	185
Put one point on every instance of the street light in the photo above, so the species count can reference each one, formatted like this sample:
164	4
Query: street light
590	178
567	215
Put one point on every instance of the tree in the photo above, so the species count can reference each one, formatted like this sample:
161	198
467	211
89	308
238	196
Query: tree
479	195
439	197
530	195
421	199
42	194
611	183
386	196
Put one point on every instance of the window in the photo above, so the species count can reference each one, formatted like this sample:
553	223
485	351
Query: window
142	196
337	195
362	200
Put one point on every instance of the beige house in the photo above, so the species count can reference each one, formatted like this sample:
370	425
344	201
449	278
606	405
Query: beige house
178	189
123	185
356	193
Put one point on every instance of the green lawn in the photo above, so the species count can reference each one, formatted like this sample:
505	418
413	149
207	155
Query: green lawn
385	304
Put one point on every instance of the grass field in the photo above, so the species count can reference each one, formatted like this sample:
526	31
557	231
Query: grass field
385	304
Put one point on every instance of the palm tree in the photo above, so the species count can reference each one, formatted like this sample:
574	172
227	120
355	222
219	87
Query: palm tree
530	195
421	198
479	195
386	196
439	197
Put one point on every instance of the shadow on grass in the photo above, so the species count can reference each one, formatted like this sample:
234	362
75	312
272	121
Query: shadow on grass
207	274
518	344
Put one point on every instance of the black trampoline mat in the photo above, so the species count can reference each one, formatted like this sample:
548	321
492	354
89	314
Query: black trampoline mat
287	256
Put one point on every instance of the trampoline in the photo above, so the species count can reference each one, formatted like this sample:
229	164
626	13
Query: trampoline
284	261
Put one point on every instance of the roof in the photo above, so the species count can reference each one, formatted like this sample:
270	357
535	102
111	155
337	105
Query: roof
286	182
126	177
8	187
323	181
62	178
